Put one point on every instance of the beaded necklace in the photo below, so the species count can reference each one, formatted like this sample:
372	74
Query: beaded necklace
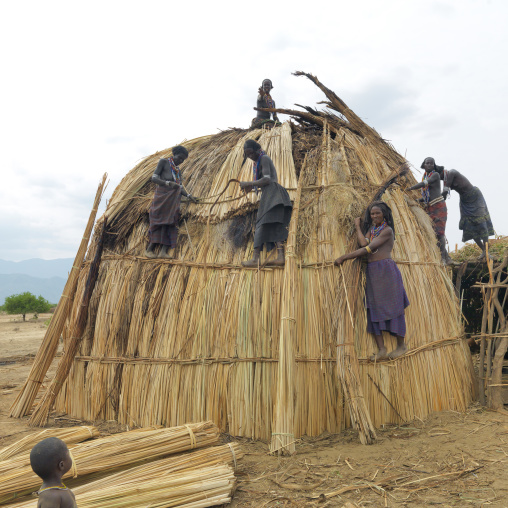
175	170
270	103
376	231
425	190
50	488
257	165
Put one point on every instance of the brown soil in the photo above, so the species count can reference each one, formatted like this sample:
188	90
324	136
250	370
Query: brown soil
450	459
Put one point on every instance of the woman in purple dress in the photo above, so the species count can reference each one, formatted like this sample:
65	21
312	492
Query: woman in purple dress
385	296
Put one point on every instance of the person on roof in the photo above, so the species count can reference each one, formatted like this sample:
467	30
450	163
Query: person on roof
265	101
435	204
165	208
274	212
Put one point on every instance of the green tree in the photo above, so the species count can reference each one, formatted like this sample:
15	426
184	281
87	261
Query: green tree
25	303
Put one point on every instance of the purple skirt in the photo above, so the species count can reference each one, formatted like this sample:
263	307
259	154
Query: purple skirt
396	326
385	298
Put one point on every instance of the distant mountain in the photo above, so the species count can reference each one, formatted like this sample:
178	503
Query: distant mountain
50	288
38	276
41	268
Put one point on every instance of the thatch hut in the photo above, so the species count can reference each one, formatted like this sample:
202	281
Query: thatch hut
202	338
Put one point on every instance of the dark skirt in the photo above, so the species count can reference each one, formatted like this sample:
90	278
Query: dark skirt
475	219
274	228
165	235
385	298
164	215
438	213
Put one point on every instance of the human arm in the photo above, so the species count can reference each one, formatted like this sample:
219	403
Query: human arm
188	196
374	245
156	177
433	178
275	117
263	181
363	240
449	177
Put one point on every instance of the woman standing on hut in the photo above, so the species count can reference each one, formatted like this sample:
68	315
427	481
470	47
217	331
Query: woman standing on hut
264	101
165	209
385	296
274	212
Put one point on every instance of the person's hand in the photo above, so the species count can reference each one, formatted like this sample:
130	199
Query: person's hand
246	186
193	198
358	222
261	91
339	261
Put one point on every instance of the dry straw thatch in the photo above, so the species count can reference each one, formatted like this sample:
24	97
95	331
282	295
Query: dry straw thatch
200	337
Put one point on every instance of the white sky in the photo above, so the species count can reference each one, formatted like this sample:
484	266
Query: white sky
89	87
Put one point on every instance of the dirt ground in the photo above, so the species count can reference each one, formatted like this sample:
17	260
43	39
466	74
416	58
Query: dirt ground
450	459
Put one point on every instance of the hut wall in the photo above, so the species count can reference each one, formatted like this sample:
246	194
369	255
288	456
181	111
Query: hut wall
170	342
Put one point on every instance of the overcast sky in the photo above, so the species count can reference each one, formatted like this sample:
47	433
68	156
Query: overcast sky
93	87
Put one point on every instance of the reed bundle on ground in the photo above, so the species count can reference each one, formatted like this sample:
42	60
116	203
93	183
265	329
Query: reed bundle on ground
199	478
25	399
199	337
69	435
112	452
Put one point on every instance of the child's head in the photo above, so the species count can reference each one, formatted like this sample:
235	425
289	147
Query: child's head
50	457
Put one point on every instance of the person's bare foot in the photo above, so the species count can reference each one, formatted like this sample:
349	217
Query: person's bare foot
481	257
381	355
449	262
150	254
398	352
252	263
166	254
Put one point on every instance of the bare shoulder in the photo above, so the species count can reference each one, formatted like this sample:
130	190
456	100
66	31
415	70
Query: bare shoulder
57	498
49	499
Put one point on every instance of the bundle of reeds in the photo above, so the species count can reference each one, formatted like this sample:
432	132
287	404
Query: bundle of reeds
25	399
112	452
199	337
283	436
191	488
70	435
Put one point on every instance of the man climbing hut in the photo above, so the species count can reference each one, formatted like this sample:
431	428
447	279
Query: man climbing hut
435	203
475	221
385	296
274	212
165	208
265	101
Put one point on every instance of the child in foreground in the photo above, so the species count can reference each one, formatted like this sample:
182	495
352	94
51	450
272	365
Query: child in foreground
50	459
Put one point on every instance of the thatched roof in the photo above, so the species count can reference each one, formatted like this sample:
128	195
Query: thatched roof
200	337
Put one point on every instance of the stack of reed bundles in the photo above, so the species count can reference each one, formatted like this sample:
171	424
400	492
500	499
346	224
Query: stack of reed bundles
71	435
196	479
197	337
110	453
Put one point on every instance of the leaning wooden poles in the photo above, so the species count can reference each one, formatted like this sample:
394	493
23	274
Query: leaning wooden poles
283	438
494	336
40	414
25	399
